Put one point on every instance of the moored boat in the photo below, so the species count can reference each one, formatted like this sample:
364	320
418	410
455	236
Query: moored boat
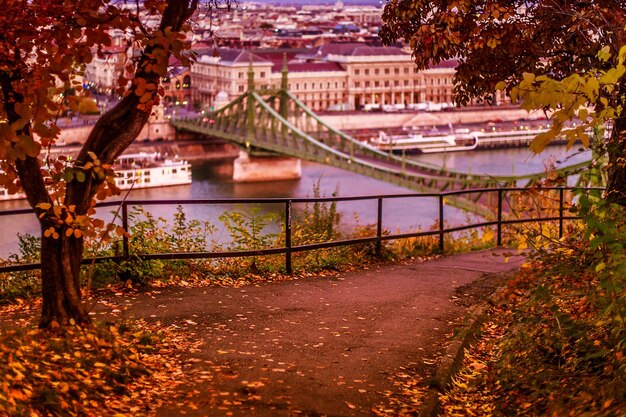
492	137
143	170
139	170
425	142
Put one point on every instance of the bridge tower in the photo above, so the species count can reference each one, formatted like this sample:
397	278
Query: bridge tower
250	105
264	167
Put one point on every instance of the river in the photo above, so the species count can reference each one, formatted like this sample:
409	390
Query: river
404	214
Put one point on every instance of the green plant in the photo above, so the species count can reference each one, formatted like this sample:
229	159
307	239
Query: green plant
247	230
21	284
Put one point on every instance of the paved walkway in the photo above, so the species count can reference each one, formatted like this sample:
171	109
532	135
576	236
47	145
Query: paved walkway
320	346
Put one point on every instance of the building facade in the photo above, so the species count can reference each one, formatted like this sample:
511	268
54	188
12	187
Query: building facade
332	77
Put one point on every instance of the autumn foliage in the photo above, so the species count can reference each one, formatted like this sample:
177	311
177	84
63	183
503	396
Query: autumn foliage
565	58
44	47
115	371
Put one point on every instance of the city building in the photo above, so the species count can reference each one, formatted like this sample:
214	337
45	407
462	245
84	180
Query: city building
344	76
177	85
109	63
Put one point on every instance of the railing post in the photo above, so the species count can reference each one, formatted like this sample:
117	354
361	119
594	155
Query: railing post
500	192
561	195
125	242
441	247
288	267
379	227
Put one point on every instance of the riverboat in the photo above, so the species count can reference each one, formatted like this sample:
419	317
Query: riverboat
493	137
428	142
139	170
144	170
4	195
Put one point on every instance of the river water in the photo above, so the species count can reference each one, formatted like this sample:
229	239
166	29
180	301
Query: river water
210	182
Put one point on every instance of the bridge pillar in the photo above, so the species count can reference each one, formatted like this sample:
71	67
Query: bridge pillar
248	168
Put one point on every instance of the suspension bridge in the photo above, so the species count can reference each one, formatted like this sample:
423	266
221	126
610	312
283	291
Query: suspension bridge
275	121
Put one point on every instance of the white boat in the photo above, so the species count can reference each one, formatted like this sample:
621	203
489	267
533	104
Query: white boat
144	170
492	136
520	136
139	170
425	143
4	195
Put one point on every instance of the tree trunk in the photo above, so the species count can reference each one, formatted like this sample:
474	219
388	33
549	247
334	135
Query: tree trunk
616	172
60	275
114	132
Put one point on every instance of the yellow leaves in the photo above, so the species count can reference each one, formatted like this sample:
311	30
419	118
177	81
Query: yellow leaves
582	98
44	206
51	232
612	76
94	371
488	236
87	105
604	54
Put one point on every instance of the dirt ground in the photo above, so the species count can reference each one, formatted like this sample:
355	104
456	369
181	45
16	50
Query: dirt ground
327	346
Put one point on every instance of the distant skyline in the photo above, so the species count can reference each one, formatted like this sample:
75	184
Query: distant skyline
329	2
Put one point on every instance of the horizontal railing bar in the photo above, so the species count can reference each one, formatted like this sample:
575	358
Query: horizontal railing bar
307	199
16	212
19	267
31	266
301	248
210	255
333	244
276	251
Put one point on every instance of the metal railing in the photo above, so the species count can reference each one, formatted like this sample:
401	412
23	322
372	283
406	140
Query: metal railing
289	249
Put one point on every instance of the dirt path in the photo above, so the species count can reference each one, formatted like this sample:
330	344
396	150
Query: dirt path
319	346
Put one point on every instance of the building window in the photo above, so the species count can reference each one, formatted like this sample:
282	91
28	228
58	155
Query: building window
376	84
241	88
240	75
357	84
305	86
335	84
357	71
386	83
396	71
262	74
367	84
386	71
367	72
376	71
396	83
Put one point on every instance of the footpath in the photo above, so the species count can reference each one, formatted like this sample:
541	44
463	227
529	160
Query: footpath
355	344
